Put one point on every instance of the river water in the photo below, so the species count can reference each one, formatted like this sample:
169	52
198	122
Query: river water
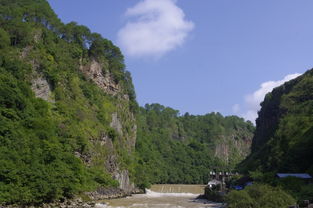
164	196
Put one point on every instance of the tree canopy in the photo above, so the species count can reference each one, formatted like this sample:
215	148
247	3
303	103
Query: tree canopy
183	149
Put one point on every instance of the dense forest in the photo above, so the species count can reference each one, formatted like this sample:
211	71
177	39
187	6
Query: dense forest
56	129
282	143
183	149
283	140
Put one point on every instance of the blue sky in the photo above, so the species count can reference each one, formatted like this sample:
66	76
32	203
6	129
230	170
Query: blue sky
203	55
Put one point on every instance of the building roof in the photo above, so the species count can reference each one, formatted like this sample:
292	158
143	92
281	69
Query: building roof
214	182
297	175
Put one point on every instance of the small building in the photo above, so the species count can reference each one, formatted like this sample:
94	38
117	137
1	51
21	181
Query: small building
214	182
303	176
296	175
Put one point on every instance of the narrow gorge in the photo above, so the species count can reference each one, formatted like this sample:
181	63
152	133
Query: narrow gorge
70	125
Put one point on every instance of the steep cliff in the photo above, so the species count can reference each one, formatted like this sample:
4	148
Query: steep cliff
67	108
284	129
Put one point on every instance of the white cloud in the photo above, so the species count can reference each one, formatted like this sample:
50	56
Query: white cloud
154	28
253	100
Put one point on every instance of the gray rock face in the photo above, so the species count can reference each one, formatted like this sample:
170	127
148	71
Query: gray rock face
116	124
225	149
96	72
40	85
41	88
107	193
125	184
123	121
222	151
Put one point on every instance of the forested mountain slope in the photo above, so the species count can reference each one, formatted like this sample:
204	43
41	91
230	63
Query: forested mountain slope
67	107
183	149
283	140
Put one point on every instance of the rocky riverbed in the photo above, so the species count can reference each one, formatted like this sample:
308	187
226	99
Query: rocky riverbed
78	202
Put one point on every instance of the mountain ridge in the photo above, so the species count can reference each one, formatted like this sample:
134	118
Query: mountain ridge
284	128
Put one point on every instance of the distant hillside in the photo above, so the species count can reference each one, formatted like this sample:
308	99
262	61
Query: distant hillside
182	149
283	140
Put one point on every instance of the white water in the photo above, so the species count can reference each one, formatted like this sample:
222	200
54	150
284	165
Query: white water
152	194
154	199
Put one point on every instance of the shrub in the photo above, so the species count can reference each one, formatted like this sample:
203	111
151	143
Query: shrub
4	38
259	196
239	199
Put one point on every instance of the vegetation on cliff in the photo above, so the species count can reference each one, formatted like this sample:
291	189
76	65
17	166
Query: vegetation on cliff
55	122
182	149
259	195
283	140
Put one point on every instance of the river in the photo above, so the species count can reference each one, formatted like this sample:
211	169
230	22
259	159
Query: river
164	196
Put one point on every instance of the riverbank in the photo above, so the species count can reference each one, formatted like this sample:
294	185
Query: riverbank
69	203
159	196
162	200
165	196
85	200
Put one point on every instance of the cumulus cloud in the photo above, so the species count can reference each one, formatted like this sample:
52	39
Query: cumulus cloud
252	101
154	27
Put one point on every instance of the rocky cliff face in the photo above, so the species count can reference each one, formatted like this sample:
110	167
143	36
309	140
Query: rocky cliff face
99	73
39	84
41	87
283	138
230	149
122	121
67	108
